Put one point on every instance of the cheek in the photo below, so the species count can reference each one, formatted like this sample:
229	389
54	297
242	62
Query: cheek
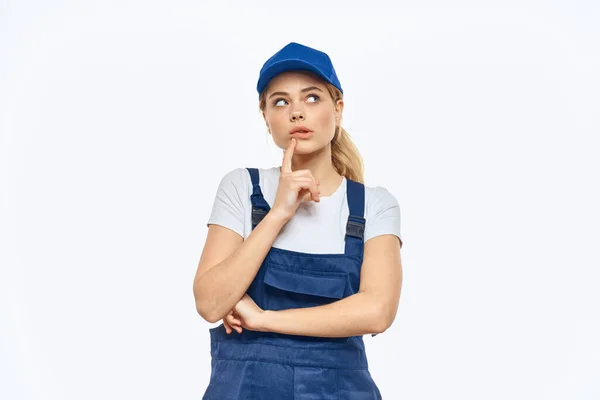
279	130
326	119
274	123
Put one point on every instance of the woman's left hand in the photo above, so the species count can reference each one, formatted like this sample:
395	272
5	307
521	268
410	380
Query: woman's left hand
251	315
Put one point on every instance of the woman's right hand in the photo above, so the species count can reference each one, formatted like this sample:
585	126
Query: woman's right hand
232	321
294	186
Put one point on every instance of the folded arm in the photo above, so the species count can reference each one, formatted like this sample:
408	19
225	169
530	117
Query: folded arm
371	310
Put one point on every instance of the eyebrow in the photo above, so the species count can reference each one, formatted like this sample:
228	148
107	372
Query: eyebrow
306	89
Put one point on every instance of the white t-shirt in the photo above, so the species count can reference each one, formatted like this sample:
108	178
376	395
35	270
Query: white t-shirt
317	228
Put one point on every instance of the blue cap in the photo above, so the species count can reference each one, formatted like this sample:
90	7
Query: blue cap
295	57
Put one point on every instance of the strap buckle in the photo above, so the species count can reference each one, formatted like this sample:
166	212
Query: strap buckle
257	215
356	228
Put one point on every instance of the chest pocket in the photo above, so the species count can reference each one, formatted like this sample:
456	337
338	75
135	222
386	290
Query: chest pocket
287	287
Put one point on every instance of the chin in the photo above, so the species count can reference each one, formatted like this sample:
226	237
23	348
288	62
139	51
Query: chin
308	147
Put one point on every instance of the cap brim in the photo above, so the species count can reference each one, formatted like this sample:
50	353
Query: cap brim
284	66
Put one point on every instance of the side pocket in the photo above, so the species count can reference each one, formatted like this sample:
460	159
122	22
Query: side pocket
294	288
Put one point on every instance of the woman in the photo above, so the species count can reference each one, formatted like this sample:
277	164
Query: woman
300	260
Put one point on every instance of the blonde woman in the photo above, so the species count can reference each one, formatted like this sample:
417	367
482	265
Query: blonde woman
301	259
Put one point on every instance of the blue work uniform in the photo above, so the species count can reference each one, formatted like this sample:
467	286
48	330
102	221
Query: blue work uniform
268	365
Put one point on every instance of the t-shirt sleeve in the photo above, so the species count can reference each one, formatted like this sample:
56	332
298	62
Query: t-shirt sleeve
383	214
228	206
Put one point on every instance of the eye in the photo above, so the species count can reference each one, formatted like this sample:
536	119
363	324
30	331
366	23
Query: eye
317	98
276	102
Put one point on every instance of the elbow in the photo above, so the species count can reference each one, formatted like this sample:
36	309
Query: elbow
204	309
379	326
206	314
383	320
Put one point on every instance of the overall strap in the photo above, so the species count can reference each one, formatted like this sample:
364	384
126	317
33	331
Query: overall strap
260	207
355	227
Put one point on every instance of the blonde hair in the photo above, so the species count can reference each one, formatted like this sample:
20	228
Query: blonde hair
345	157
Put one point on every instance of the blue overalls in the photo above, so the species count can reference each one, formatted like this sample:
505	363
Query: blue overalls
268	365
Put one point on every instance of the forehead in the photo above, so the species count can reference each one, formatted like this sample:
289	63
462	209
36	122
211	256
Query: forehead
294	81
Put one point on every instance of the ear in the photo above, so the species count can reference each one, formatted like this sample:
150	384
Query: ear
339	108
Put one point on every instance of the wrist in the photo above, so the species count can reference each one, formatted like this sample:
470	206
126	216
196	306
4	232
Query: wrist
265	321
277	216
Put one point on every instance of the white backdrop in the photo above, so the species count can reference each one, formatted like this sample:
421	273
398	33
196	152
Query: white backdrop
119	119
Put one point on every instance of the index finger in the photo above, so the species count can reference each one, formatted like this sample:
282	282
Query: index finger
286	166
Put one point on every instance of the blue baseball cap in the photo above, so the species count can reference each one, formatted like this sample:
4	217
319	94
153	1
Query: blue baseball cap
293	57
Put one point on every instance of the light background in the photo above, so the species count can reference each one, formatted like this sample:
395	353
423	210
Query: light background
118	120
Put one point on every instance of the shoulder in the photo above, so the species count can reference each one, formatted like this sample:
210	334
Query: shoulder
229	207
235	179
379	199
382	212
239	179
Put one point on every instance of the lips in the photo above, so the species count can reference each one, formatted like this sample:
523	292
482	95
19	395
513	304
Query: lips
302	134
302	130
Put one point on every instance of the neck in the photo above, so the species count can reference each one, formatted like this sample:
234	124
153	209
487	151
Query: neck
320	165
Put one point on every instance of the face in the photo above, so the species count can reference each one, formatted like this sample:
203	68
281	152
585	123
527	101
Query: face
296	98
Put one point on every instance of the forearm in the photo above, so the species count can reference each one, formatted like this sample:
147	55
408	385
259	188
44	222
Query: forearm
354	315
219	288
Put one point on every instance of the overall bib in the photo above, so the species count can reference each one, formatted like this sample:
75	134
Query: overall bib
268	365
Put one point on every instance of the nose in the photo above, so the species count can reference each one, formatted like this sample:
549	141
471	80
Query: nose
297	116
